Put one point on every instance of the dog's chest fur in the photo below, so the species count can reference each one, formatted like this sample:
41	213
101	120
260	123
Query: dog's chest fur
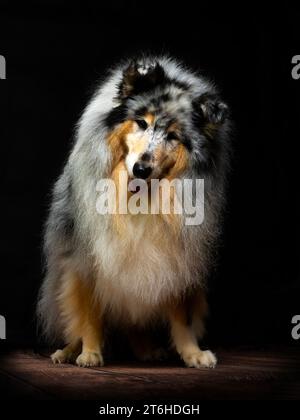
142	265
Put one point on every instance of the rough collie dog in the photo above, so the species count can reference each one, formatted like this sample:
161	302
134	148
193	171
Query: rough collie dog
151	118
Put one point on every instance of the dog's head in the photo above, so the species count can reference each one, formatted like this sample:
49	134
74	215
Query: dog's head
163	124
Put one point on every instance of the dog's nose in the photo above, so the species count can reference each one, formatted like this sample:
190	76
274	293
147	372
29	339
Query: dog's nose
141	171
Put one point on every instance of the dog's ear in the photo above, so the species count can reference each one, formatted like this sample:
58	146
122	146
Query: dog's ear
211	109
138	78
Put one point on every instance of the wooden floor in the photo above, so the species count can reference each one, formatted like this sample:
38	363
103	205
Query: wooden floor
239	375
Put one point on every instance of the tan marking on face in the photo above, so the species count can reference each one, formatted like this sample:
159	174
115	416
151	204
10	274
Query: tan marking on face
149	118
118	219
171	159
116	141
171	164
173	127
162	158
136	143
180	157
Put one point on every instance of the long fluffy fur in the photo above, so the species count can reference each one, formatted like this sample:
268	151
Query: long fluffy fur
133	275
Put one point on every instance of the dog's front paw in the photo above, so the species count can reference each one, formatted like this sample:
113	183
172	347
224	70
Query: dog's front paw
62	356
89	359
200	359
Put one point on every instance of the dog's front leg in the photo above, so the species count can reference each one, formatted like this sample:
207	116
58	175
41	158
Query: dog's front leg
91	342
82	320
185	340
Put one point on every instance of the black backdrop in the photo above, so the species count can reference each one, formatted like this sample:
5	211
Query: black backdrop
55	53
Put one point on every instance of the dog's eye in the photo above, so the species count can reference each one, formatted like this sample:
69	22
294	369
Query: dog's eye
172	136
142	124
